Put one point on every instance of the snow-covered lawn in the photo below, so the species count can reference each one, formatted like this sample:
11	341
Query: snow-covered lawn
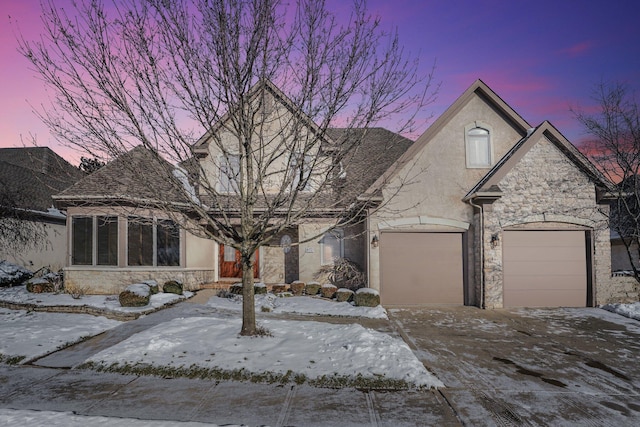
20	295
300	305
631	311
25	336
303	351
300	351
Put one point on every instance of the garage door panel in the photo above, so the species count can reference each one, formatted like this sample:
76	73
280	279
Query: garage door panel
546	298
544	268
572	253
421	268
547	283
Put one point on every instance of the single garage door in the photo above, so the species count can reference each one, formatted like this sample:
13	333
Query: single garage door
544	269
421	268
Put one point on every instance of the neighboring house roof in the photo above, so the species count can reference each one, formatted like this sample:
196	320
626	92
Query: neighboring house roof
379	149
488	185
124	179
478	88
30	176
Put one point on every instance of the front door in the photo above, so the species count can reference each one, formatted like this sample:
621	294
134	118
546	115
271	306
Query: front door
231	265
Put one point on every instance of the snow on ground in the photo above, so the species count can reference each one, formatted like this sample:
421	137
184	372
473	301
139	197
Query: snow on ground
313	349
35	334
632	311
300	305
20	295
13	417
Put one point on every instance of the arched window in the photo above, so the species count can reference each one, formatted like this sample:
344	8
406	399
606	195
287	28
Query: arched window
478	143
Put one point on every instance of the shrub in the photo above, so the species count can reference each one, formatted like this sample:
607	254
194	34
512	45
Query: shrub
344	295
259	288
136	295
297	287
367	297
12	274
344	273
328	290
312	288
76	291
39	285
172	287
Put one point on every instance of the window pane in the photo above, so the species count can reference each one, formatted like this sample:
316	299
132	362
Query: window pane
331	247
168	249
139	242
82	241
107	240
229	254
478	148
229	173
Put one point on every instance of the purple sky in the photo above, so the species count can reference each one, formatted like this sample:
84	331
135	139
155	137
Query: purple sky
540	56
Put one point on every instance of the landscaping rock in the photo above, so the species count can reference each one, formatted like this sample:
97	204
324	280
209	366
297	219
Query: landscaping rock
236	289
38	285
44	280
297	288
279	288
153	286
328	290
136	295
172	287
344	295
367	297
12	274
259	288
312	288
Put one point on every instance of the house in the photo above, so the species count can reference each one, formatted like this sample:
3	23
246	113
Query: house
29	177
115	221
483	209
503	215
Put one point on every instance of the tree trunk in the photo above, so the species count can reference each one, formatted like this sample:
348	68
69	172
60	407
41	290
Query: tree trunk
248	301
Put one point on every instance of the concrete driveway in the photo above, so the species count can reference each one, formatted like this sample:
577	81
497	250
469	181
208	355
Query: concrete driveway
530	366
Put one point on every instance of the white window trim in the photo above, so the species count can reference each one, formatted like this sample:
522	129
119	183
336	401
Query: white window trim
489	129
336	232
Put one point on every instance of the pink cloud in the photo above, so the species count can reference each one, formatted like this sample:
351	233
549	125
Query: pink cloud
579	48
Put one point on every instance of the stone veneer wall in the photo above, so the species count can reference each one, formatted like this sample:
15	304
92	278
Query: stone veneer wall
546	190
113	281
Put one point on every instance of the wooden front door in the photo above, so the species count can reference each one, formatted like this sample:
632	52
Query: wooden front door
231	265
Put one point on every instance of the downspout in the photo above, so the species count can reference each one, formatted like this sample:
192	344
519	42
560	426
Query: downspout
481	209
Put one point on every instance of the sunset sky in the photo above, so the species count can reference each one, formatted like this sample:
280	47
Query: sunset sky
541	57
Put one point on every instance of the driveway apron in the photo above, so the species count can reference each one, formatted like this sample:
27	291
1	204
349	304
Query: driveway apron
529	366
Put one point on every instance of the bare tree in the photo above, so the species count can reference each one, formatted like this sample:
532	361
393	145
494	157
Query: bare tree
615	150
266	80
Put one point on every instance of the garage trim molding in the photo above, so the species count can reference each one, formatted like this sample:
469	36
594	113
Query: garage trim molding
422	220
